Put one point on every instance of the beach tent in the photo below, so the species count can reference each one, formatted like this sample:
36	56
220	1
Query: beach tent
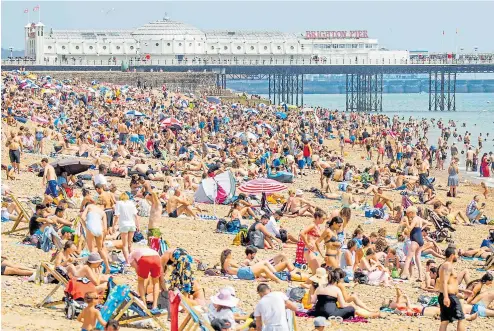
213	100
218	189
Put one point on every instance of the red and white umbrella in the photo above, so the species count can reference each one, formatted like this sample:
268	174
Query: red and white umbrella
262	185
170	121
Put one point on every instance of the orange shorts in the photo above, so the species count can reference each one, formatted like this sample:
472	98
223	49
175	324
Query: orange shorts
149	265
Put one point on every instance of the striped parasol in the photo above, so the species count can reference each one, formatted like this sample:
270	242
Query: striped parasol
262	185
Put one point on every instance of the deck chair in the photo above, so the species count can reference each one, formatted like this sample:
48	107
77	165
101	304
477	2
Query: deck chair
193	320
124	306
62	282
24	214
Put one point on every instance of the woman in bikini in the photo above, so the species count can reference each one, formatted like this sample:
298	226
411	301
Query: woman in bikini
329	236
260	269
309	236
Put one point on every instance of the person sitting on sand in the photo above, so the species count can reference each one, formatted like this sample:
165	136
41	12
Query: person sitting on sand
260	269
177	206
374	270
481	303
269	238
298	206
91	270
240	209
380	199
13	269
89	316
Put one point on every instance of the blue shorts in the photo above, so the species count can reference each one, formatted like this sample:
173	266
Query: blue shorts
202	125
134	138
301	163
122	137
473	215
352	138
245	273
308	160
399	156
52	188
141	137
479	308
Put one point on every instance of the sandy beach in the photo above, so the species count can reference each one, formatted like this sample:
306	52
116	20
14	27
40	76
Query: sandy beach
19	296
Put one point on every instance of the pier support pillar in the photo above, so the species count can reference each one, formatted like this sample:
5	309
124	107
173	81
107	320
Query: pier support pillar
364	92
442	91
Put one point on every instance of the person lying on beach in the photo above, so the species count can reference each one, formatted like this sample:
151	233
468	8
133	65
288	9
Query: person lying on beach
10	268
481	253
481	303
258	270
280	262
89	316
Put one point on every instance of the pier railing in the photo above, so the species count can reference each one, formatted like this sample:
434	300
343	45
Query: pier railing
433	60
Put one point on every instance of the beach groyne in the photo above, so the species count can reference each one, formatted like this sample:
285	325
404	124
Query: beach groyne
175	81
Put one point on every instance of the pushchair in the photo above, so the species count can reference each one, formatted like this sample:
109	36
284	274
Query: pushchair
443	228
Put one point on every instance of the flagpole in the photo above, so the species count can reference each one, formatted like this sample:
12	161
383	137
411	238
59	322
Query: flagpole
39	13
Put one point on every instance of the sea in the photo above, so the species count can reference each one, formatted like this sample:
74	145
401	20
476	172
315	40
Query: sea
476	110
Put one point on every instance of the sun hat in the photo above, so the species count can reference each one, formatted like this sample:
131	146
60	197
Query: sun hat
225	298
320	277
320	321
231	289
94	258
299	192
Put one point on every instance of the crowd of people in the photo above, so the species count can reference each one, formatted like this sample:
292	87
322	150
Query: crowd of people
147	150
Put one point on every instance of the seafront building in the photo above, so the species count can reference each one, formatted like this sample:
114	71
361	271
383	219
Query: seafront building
170	42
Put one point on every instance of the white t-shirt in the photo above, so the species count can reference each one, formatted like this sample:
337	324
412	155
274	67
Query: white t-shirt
100	179
126	212
271	309
272	227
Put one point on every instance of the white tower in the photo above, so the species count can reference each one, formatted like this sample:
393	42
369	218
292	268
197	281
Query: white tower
39	42
26	39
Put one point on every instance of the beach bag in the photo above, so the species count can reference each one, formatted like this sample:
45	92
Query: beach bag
138	236
221	225
283	235
296	294
360	278
395	273
233	226
299	253
242	238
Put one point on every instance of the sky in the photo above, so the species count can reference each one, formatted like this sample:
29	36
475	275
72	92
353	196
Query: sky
403	25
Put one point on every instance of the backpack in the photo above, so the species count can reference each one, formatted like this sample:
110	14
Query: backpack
241	239
233	226
221	226
256	239
361	278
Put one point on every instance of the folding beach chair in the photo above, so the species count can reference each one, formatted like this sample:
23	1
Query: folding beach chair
24	214
62	282
193	320
124	306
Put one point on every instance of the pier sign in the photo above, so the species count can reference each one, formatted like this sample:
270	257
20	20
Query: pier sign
356	34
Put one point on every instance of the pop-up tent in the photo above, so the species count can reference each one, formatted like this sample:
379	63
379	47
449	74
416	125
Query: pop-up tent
219	189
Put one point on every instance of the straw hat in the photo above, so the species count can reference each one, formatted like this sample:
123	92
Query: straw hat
225	298
320	277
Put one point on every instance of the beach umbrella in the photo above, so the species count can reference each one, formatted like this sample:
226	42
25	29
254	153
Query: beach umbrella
71	166
281	115
170	121
246	136
262	185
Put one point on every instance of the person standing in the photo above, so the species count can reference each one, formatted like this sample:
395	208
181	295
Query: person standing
453	180
270	312
15	148
50	181
449	304
126	219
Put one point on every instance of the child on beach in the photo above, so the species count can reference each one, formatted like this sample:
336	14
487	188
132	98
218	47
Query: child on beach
90	315
485	191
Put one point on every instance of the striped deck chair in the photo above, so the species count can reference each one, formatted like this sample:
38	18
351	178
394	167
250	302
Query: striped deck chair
193	317
124	306
46	267
25	213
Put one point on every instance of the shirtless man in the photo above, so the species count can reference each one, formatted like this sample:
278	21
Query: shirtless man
326	172
50	181
379	199
481	302
447	284
154	215
107	200
123	133
117	167
177	206
15	149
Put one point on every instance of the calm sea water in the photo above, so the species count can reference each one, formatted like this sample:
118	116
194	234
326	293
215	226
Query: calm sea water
476	110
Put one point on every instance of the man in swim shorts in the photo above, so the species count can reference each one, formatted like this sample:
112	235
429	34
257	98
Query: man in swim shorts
49	179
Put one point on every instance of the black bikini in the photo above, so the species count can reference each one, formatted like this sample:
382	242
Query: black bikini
326	307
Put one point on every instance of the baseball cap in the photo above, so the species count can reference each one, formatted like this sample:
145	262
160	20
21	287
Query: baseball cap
66	229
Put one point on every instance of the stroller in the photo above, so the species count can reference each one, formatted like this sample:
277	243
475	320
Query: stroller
443	228
74	296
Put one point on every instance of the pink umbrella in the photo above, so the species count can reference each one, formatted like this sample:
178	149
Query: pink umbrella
170	121
262	185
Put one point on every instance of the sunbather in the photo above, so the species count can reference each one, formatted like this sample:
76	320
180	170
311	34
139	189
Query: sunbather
91	270
12	269
261	269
